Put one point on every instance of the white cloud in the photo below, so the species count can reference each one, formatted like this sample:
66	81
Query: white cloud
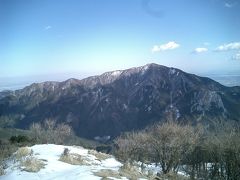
47	28
168	46
228	47
236	56
200	50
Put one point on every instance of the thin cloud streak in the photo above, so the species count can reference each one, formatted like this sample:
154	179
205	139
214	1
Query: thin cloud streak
236	56
229	47
200	50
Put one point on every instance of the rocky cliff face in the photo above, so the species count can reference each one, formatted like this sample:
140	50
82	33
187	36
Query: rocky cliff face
122	100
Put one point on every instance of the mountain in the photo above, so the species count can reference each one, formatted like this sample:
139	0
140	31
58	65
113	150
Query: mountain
122	100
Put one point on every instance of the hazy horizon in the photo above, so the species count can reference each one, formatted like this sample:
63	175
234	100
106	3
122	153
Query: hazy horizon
15	83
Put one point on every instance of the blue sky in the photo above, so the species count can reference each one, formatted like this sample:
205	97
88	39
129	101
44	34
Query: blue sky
66	38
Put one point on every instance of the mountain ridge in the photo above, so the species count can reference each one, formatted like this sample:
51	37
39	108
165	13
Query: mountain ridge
122	100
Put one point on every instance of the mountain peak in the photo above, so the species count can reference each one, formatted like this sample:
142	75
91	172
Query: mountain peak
152	65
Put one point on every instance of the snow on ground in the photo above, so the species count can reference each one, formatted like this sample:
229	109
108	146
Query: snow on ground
55	169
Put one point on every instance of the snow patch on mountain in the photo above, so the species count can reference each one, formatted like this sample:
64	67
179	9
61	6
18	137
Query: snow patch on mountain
172	71
116	73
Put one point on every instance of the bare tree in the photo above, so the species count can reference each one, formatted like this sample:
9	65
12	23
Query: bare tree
171	143
36	131
133	146
63	131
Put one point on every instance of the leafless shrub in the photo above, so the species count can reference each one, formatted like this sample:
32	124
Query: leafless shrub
222	147
51	132
6	150
2	172
23	152
133	146
171	176
36	131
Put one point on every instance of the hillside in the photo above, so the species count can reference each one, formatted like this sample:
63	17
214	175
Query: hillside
122	100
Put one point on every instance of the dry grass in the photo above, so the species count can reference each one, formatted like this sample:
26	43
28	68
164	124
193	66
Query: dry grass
127	170
106	173
131	172
22	152
99	155
6	150
172	176
105	178
32	164
73	158
27	161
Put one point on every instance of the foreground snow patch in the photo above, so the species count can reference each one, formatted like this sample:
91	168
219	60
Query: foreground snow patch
55	169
